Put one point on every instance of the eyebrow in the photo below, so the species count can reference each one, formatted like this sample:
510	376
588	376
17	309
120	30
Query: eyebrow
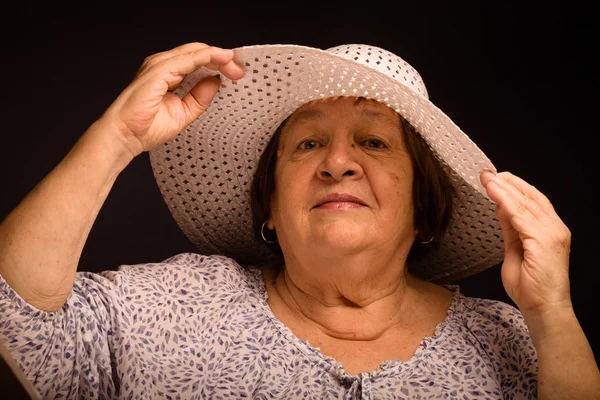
306	115
315	115
376	116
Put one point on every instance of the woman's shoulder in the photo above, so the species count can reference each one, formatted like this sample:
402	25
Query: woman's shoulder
183	262
491	309
490	319
184	269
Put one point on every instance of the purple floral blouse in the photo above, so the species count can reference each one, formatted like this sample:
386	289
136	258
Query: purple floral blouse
199	327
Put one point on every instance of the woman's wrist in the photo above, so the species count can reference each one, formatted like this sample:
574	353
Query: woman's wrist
551	323
112	146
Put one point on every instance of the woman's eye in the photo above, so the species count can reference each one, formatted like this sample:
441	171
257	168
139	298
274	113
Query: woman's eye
308	145
374	144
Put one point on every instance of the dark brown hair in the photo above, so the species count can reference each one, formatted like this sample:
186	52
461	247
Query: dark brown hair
433	192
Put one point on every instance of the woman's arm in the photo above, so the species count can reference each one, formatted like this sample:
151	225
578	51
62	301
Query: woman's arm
567	367
535	274
42	238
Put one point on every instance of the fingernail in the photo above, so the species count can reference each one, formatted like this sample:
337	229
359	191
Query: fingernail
488	171
225	51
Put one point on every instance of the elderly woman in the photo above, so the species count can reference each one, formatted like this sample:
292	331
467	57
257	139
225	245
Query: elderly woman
333	205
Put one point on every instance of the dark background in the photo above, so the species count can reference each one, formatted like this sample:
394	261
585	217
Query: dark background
518	77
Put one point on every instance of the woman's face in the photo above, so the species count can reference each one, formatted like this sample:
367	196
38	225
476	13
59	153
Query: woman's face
343	180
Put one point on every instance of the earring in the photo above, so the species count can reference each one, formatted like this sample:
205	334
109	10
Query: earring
428	241
262	233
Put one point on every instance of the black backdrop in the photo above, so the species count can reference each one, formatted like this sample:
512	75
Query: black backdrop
518	78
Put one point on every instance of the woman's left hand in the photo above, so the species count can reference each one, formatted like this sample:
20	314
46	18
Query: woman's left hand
535	271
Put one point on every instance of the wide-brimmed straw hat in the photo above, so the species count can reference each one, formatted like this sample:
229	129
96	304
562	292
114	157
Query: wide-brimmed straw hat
205	173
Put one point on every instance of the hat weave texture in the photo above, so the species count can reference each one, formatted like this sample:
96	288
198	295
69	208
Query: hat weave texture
205	173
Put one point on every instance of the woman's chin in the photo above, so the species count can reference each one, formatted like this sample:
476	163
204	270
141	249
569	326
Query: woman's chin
343	239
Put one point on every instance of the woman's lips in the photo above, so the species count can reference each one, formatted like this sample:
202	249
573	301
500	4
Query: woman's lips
339	205
339	201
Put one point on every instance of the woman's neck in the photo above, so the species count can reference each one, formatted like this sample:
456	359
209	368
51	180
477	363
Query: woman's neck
349	300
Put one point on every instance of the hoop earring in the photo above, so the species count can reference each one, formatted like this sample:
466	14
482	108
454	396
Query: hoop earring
426	242
262	234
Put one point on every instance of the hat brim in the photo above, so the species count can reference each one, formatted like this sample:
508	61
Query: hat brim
205	173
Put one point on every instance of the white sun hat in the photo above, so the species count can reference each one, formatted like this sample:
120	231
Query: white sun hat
205	173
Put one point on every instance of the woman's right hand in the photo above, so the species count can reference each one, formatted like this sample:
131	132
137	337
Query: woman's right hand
39	264
147	114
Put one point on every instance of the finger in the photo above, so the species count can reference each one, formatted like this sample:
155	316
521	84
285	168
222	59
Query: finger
176	66
515	209
523	195
528	221
182	49
510	235
513	245
530	191
498	194
232	70
174	69
199	97
513	251
228	66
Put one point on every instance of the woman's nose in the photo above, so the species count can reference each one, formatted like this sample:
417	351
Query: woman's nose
340	161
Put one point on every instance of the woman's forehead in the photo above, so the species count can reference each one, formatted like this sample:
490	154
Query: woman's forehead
370	110
350	100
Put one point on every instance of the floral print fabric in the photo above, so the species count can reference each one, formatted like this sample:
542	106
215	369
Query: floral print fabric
199	327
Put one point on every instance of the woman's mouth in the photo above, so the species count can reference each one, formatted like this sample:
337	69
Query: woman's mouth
339	201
